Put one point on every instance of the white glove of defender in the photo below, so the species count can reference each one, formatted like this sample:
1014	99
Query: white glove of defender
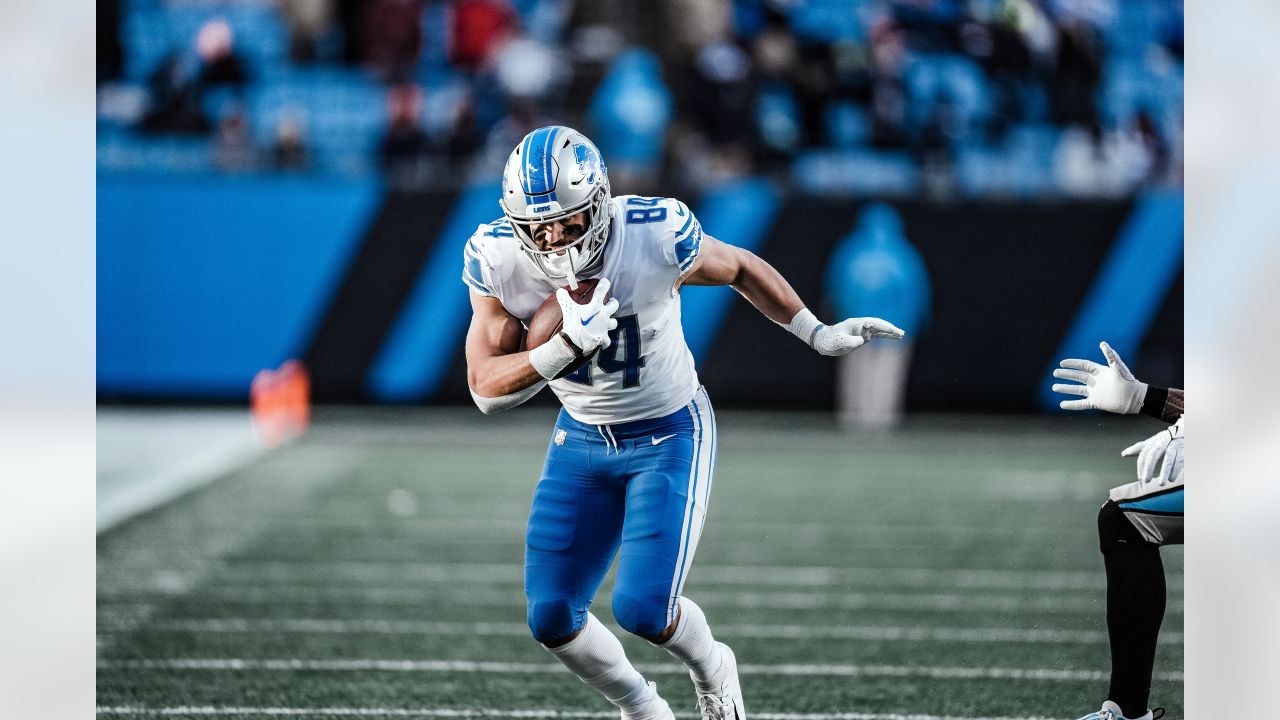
1109	387
587	326
845	337
1165	448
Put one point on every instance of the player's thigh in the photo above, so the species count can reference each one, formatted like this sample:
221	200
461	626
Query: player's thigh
666	510
1157	512
575	522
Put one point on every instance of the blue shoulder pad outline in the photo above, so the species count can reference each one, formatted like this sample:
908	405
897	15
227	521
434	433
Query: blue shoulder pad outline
473	263
688	239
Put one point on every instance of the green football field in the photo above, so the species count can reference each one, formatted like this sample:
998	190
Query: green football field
373	569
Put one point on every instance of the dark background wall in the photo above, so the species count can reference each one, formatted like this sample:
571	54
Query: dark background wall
201	287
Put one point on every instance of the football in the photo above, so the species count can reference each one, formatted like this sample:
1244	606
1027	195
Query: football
548	321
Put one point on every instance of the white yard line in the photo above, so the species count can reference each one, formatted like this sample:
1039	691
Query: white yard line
469	666
1076	603
129	710
520	630
734	575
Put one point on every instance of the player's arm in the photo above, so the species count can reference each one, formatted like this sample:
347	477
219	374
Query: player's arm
501	376
1165	404
764	287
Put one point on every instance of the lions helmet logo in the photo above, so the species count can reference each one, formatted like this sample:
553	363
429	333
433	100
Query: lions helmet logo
588	164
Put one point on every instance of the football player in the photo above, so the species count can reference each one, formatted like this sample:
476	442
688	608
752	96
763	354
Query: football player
1136	521
630	463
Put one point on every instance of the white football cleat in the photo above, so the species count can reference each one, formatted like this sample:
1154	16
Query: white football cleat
656	709
726	703
1111	711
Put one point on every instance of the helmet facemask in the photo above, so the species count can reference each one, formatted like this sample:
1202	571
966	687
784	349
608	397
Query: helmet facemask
574	258
552	175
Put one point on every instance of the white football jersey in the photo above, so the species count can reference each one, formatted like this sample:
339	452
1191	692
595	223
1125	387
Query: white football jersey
647	371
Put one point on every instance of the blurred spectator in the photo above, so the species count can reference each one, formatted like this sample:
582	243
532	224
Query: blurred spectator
175	98
405	147
759	85
1147	132
392	36
936	152
178	85
233	148
523	116
290	150
1077	75
875	271
110	48
350	15
308	21
219	63
695	24
523	72
996	44
888	88
628	117
929	25
477	31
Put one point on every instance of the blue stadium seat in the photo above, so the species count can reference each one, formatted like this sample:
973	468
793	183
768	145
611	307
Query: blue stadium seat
1028	155
855	171
827	20
151	31
847	124
344	112
932	77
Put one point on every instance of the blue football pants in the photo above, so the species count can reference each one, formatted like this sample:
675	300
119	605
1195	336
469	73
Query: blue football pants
638	490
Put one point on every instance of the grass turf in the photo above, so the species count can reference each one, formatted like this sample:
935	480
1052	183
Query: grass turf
950	569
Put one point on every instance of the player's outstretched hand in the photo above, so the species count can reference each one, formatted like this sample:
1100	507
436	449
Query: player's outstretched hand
845	337
587	326
1109	387
1165	448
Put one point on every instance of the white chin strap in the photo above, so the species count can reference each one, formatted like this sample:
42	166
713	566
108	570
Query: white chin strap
566	264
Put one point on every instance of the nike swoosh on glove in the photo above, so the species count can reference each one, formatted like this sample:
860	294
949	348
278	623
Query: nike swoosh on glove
587	326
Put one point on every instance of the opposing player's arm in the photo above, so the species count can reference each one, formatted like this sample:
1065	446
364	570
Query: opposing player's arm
1113	387
1165	404
719	263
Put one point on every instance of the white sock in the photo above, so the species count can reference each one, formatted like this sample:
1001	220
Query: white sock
596	656
693	645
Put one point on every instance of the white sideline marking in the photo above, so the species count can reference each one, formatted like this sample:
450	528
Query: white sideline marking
451	713
471	666
734	575
180	451
769	632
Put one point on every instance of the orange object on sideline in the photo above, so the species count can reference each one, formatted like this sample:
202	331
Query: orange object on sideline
280	401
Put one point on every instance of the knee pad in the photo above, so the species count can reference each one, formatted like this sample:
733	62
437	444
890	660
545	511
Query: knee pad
553	619
1115	531
646	617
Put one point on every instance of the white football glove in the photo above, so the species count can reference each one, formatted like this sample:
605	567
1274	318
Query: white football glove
1165	448
849	335
587	326
1109	387
841	338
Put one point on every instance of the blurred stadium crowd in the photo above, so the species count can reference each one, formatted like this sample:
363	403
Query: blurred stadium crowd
945	98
